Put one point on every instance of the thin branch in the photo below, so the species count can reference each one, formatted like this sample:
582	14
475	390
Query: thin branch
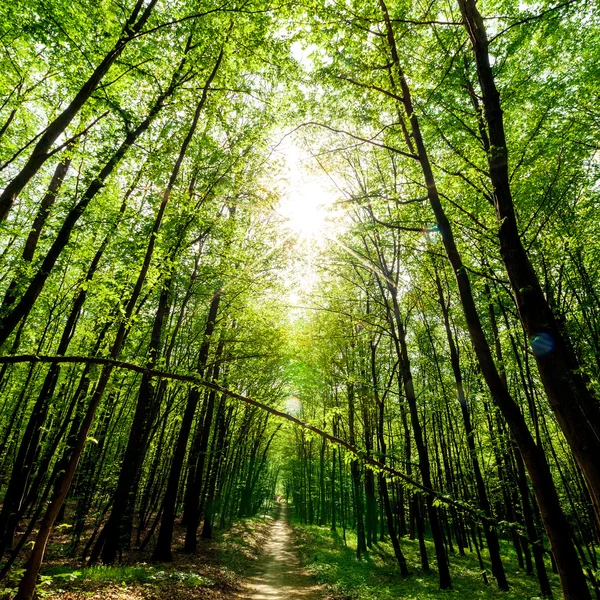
532	18
398	227
33	358
370	86
358	137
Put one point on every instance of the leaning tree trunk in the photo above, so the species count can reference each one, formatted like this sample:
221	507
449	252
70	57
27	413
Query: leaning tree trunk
162	550
109	539
555	522
42	152
383	488
21	309
491	535
28	583
576	409
37	226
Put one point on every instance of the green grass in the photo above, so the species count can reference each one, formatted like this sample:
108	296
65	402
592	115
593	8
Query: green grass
53	579
125	575
376	576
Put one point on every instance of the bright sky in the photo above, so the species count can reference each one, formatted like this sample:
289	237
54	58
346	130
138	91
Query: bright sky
305	209
309	215
307	204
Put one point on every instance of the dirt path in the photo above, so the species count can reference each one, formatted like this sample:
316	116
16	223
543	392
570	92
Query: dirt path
281	577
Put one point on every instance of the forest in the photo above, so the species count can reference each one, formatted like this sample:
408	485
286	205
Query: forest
320	273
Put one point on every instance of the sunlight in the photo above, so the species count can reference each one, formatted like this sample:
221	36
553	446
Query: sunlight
305	210
293	406
307	207
310	218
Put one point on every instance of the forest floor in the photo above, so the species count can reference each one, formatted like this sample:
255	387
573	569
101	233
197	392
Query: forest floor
332	561
217	571
271	558
257	559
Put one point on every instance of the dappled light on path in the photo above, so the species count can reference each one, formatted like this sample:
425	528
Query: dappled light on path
281	576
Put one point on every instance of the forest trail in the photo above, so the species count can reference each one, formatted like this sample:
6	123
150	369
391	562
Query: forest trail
280	575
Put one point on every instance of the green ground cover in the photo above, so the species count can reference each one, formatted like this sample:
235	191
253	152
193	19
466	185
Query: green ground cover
376	576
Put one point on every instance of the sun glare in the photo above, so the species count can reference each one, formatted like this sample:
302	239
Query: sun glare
293	406
305	210
310	220
307	205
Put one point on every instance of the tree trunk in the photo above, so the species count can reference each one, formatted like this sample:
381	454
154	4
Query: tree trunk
576	409
490	533
42	152
361	545
162	551
38	224
383	488
555	522
204	430
110	538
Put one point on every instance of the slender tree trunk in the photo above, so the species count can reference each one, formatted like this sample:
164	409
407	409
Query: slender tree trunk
322	507
162	551
383	488
333	494
537	549
361	545
209	512
204	430
555	522
42	152
490	533
36	228
576	409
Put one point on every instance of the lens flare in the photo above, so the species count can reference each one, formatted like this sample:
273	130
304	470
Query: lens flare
542	344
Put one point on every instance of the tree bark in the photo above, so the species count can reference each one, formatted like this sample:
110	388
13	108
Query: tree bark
42	152
22	308
162	550
576	409
555	522
490	533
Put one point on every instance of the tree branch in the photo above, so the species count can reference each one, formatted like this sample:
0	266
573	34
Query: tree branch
358	137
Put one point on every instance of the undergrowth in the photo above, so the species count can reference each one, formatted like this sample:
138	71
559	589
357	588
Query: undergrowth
376	576
212	573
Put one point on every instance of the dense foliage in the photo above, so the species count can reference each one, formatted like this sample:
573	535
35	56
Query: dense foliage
442	364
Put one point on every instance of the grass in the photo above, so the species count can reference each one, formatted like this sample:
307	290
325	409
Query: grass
56	580
126	575
376	576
